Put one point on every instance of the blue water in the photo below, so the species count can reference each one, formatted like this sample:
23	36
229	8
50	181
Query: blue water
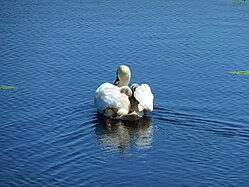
58	52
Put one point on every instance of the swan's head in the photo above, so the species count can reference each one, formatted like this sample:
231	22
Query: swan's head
123	76
126	90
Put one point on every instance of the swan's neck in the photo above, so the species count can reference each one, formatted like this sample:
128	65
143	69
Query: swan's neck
121	84
124	81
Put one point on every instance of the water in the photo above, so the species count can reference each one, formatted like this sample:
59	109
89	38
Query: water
58	52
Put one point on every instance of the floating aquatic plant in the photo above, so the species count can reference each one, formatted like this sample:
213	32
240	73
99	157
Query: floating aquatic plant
7	87
240	2
240	72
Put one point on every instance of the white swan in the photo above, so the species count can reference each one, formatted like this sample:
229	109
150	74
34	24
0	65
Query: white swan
113	101
121	102
142	99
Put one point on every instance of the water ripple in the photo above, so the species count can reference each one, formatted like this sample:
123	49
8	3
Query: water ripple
221	127
58	53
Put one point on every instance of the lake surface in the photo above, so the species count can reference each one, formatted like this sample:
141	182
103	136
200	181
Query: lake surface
58	52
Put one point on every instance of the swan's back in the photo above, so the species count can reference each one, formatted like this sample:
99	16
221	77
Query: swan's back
106	97
109	100
145	98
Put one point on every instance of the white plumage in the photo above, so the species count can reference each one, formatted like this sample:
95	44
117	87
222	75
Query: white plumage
121	102
110	101
107	96
145	98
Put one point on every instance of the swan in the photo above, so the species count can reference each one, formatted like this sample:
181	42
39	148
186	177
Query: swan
121	102
141	99
113	100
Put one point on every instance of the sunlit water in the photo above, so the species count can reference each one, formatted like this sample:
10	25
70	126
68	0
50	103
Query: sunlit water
58	52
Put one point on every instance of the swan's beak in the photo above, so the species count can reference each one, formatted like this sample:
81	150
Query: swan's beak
116	81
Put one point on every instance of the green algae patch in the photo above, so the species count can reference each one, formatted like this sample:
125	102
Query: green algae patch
7	87
240	72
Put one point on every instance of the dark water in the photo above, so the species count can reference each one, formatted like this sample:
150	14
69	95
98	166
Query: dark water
58	52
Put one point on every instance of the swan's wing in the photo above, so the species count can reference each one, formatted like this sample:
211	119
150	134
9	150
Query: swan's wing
107	96
145	97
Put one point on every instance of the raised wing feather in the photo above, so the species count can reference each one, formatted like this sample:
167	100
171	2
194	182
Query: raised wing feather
107	96
145	97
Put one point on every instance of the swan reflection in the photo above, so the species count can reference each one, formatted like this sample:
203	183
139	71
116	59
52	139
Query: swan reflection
121	135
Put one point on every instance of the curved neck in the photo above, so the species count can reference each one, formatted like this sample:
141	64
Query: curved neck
124	81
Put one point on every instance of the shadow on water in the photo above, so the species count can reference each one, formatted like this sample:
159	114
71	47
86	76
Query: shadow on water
122	135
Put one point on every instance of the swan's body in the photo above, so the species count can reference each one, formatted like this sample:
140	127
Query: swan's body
142	99
112	101
145	97
121	102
